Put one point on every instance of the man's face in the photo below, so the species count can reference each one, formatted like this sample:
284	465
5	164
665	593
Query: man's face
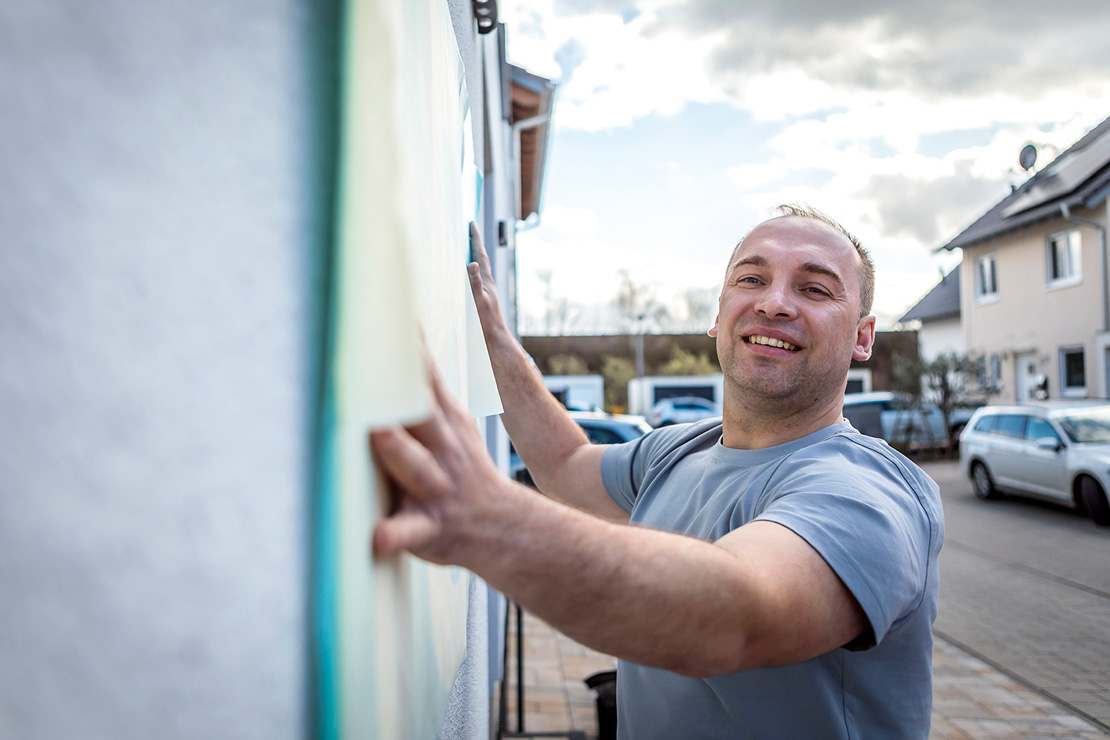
789	324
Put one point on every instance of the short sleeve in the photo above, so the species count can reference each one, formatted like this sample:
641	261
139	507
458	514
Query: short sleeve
616	473
868	516
625	467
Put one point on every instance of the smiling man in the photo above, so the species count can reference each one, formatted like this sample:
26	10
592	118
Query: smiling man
780	576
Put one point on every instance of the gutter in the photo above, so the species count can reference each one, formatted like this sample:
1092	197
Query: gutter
518	127
1065	212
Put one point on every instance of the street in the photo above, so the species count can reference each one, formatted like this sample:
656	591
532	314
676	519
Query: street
1025	586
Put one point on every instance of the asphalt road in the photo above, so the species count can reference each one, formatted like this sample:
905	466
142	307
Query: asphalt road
1025	586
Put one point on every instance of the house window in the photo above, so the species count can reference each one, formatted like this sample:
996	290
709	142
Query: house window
1062	258
986	282
1073	374
990	373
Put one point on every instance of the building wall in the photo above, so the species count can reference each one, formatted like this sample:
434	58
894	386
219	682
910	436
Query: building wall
169	214
936	338
166	215
1028	315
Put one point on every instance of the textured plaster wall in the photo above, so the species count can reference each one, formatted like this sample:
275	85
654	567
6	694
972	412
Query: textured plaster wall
167	213
164	213
468	713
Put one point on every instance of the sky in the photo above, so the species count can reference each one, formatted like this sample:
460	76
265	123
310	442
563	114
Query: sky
680	124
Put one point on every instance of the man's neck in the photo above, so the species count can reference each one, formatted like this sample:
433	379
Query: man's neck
753	428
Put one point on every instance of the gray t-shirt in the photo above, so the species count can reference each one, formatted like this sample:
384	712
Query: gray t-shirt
874	517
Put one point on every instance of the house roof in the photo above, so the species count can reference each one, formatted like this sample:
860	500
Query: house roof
1078	177
942	302
532	100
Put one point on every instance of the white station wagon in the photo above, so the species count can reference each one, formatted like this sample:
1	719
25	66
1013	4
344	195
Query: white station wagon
1058	451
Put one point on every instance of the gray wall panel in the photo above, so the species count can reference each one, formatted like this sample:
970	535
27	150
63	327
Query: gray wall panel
159	300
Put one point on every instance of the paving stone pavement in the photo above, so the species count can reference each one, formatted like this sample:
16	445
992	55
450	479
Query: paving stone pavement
971	700
1072	663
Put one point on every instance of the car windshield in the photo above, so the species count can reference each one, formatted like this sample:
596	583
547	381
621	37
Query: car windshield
1088	425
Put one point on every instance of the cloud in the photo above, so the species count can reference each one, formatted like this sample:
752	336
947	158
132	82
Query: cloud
902	119
920	207
757	175
937	50
576	223
543	280
610	71
619	60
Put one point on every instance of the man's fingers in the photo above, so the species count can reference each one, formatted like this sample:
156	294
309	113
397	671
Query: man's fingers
479	255
406	530
408	463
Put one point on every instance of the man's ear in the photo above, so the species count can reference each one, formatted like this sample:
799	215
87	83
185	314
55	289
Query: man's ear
865	338
713	329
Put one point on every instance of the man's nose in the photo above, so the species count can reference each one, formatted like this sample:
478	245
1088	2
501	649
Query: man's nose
776	302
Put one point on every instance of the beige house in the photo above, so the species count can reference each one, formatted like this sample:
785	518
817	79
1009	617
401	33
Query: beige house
1034	300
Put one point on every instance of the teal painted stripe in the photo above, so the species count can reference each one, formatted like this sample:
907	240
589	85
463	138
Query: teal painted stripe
325	31
327	571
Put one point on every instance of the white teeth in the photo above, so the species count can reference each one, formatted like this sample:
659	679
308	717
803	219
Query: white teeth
770	342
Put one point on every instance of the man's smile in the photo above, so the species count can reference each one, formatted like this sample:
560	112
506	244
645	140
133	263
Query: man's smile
770	342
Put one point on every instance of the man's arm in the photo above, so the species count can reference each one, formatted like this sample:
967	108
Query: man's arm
759	596
558	454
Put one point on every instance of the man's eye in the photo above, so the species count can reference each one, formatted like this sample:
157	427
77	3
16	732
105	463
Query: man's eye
748	279
818	291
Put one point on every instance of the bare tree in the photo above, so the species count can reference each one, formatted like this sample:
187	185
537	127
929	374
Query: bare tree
637	306
701	307
950	380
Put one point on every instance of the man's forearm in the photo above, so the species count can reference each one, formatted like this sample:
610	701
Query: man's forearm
542	432
650	597
546	438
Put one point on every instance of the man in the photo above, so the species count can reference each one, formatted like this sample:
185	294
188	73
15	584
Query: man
782	579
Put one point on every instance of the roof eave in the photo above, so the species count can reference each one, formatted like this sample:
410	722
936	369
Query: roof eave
1041	213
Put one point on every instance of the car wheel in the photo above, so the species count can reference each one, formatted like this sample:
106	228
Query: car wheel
982	483
1094	498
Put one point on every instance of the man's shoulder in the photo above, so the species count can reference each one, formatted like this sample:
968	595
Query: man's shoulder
868	463
851	447
684	437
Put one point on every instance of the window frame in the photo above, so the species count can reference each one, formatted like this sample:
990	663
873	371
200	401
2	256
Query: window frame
1041	420
1072	254
1072	391
981	294
1002	429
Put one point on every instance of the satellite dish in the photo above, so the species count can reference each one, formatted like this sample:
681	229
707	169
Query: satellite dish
1028	157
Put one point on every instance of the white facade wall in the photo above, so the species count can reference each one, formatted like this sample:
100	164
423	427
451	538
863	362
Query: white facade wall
936	338
1031	316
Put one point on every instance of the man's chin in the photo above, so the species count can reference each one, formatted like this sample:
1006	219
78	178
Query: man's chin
768	386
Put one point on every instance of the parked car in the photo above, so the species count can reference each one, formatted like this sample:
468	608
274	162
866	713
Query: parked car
895	418
600	428
681	410
1055	450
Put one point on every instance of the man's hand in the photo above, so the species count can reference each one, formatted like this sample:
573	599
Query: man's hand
443	481
482	285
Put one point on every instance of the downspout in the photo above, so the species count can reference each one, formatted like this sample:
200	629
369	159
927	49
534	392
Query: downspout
518	127
1065	212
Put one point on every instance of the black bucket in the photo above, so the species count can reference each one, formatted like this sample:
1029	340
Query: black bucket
605	684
